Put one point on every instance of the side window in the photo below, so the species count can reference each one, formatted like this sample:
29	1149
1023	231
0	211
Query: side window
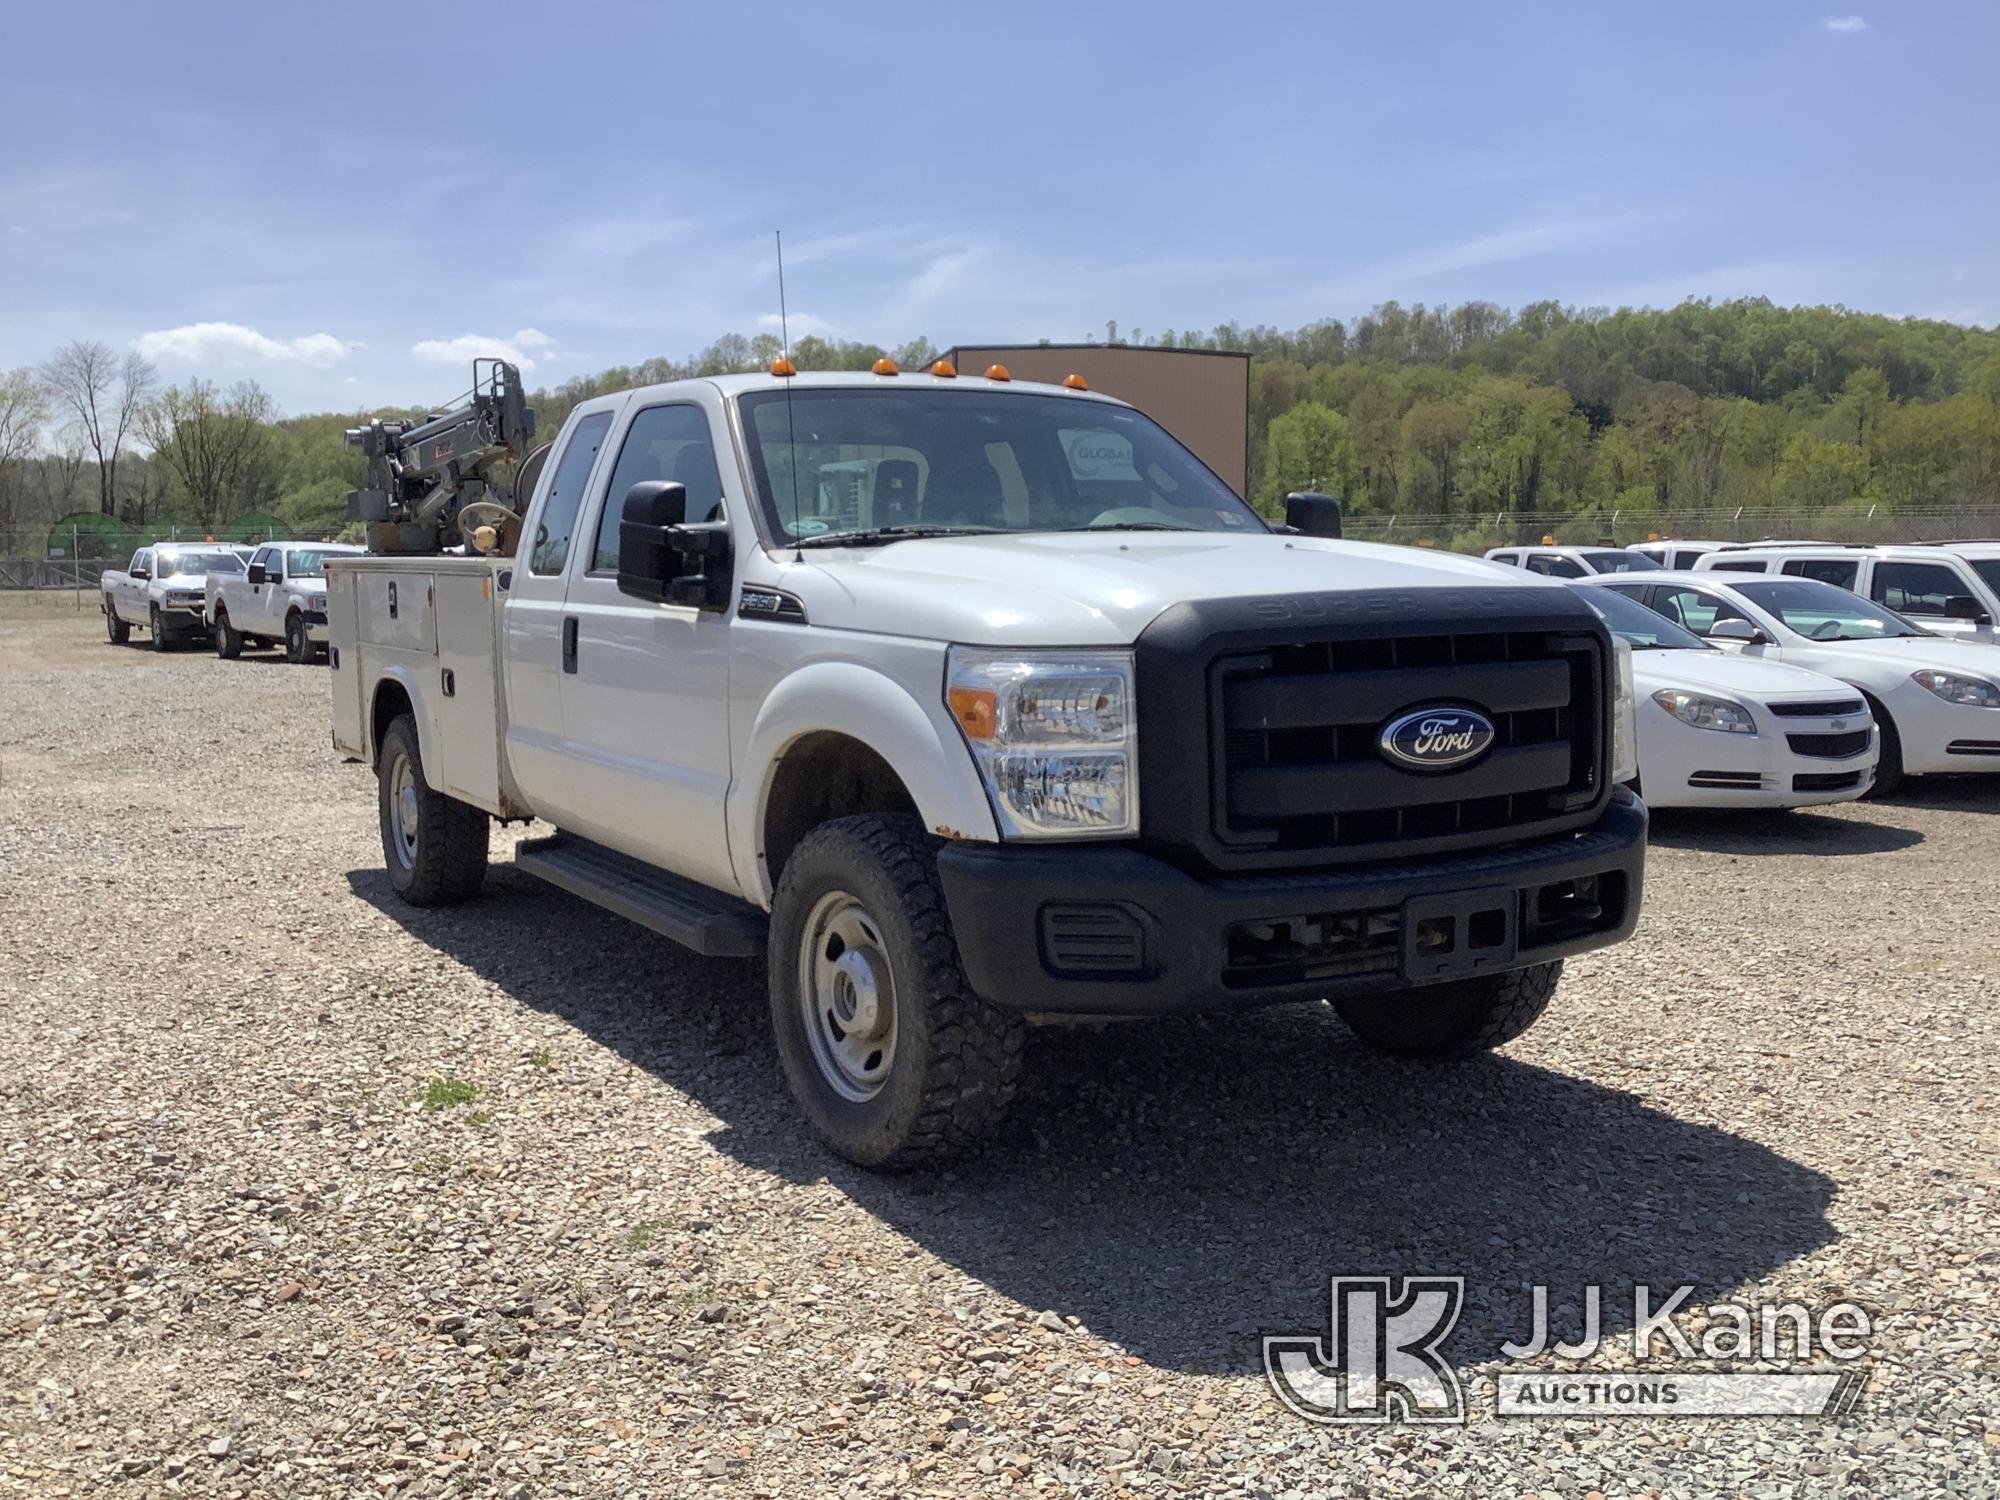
1915	588
664	442
141	560
572	477
261	558
1553	566
1686	559
1839	572
1694	609
1511	559
1752	566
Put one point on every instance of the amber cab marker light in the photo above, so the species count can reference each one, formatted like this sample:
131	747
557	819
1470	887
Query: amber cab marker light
944	369
974	709
999	372
886	366
1548	541
783	366
1076	382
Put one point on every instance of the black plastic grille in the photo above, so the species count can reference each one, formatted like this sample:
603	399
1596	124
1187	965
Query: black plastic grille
1298	728
1833	708
1830	746
1820	781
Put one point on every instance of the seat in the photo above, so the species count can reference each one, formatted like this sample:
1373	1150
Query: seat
694	469
895	492
965	491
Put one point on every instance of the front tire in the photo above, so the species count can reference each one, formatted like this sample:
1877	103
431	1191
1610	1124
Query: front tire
1889	769
892	1057
117	630
159	629
298	645
434	845
1456	1018
228	644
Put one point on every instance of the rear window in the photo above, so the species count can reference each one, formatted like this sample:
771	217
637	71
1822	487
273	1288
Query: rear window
1838	571
1621	562
1751	566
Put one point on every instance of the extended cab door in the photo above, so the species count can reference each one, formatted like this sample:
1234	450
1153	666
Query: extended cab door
646	691
256	615
537	643
128	594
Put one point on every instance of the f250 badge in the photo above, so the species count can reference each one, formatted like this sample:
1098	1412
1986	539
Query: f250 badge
1436	739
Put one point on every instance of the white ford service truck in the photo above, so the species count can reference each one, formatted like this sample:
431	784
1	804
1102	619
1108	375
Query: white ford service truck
970	704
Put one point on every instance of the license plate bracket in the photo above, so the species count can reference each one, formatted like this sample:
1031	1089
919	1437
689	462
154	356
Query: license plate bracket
1461	933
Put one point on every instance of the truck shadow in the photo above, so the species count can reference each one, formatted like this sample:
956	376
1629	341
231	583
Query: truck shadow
1799	832
1184	1187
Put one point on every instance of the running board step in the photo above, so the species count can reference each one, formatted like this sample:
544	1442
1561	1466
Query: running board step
692	915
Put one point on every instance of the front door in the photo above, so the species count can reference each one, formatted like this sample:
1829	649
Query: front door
646	708
538	645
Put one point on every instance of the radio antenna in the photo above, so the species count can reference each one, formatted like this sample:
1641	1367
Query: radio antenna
791	432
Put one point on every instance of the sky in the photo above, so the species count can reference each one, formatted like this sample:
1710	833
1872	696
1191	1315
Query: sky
346	205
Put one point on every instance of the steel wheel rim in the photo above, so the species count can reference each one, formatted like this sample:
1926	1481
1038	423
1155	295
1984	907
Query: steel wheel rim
403	811
847	997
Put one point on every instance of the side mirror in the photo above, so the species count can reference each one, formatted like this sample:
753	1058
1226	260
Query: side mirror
141	574
1741	631
648	563
1312	514
257	575
1965	607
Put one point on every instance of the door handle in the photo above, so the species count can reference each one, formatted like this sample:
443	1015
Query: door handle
569	643
392	600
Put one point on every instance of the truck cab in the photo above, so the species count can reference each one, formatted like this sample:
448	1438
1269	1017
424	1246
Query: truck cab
278	599
160	590
1950	588
971	703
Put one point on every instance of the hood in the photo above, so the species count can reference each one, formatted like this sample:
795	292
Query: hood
1080	589
1734	676
1915	652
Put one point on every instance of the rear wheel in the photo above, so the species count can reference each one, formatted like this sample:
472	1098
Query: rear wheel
116	629
228	644
892	1057
159	629
1453	1019
434	845
298	646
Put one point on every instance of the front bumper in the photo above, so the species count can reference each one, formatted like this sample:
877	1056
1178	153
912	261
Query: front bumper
1081	930
317	630
183	619
1681	766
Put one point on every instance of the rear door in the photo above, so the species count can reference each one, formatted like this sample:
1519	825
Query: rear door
129	594
538	646
646	696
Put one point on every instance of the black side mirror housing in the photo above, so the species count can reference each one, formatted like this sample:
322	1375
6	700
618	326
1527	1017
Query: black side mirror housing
257	575
648	563
142	574
1312	514
1965	607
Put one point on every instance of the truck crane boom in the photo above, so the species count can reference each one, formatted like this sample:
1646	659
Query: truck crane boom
421	474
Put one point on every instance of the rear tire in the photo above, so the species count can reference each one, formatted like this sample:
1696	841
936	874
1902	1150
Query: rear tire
159	629
116	629
1889	769
894	1060
228	644
434	846
298	646
1456	1018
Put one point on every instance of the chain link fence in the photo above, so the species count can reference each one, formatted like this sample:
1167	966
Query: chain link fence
75	557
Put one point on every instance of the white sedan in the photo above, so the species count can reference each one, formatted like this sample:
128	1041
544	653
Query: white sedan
1716	730
1936	701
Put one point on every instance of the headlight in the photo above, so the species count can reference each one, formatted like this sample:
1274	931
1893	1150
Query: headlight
1053	737
1953	687
1703	712
1624	732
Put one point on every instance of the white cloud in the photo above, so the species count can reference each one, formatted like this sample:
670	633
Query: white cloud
801	322
521	349
1846	24
234	343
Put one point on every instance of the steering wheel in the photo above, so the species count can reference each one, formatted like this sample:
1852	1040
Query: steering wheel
1826	630
490	527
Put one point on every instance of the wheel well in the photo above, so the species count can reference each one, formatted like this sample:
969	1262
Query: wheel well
1880	714
391	703
822	777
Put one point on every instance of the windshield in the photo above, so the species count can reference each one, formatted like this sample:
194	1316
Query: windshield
307	563
835	462
197	564
1821	612
1638	626
1621	562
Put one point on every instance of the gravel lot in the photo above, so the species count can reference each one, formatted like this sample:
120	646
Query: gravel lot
307	1194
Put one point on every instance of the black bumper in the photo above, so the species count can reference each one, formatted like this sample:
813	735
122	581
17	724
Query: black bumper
1082	930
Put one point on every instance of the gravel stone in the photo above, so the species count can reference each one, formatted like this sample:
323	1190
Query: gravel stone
239	1256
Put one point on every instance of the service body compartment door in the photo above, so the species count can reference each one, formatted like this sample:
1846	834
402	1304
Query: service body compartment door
344	665
467	702
396	610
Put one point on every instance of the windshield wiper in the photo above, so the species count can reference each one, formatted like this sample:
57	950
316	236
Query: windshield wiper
1131	526
876	536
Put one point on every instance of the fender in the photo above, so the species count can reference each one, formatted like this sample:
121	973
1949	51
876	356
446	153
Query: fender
922	747
419	707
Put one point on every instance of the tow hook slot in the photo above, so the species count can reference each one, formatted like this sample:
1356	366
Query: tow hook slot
1461	933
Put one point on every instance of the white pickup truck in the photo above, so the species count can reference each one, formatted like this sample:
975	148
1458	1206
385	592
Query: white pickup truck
278	599
973	703
161	590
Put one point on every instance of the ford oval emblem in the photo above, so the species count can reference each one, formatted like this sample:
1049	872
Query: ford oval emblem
1436	739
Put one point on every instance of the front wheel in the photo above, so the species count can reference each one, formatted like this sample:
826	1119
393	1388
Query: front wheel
1456	1018
116	629
298	645
159	629
228	644
892	1057
1889	768
433	845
